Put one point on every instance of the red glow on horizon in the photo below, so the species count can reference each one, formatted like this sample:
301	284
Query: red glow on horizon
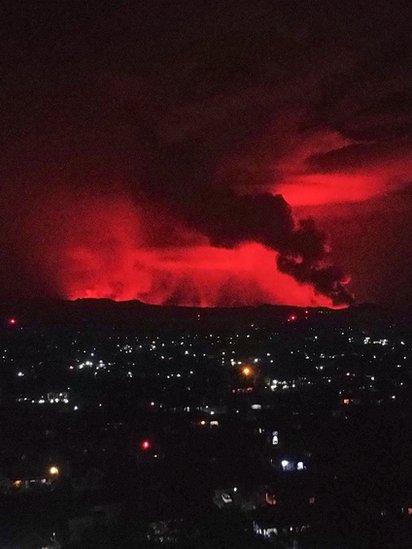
108	248
203	276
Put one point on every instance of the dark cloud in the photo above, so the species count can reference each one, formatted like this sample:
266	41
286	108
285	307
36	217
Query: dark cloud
360	155
205	111
381	260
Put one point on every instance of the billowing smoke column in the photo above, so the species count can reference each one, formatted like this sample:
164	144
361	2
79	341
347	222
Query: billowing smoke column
184	177
229	219
305	261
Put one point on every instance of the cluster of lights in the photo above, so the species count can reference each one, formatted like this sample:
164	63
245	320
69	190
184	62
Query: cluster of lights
277	384
290	465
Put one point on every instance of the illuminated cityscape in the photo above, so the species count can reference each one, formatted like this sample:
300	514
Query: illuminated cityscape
205	274
273	420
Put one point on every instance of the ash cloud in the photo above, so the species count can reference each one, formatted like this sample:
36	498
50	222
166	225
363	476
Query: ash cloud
228	218
207	114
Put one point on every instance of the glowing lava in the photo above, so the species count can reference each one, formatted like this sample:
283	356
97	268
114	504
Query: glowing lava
107	247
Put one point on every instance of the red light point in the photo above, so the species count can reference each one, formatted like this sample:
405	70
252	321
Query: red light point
145	445
12	322
292	318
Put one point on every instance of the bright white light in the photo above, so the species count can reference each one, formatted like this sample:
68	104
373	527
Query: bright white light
20	374
300	466
75	408
284	463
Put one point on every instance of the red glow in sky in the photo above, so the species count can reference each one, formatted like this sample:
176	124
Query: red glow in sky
321	189
344	179
204	276
122	130
108	248
107	245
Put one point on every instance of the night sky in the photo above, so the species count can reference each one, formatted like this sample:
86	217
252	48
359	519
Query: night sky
206	153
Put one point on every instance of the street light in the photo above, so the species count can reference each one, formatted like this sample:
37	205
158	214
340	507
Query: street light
247	371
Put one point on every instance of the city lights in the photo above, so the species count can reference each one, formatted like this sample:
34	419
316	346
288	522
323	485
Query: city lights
206	306
312	368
